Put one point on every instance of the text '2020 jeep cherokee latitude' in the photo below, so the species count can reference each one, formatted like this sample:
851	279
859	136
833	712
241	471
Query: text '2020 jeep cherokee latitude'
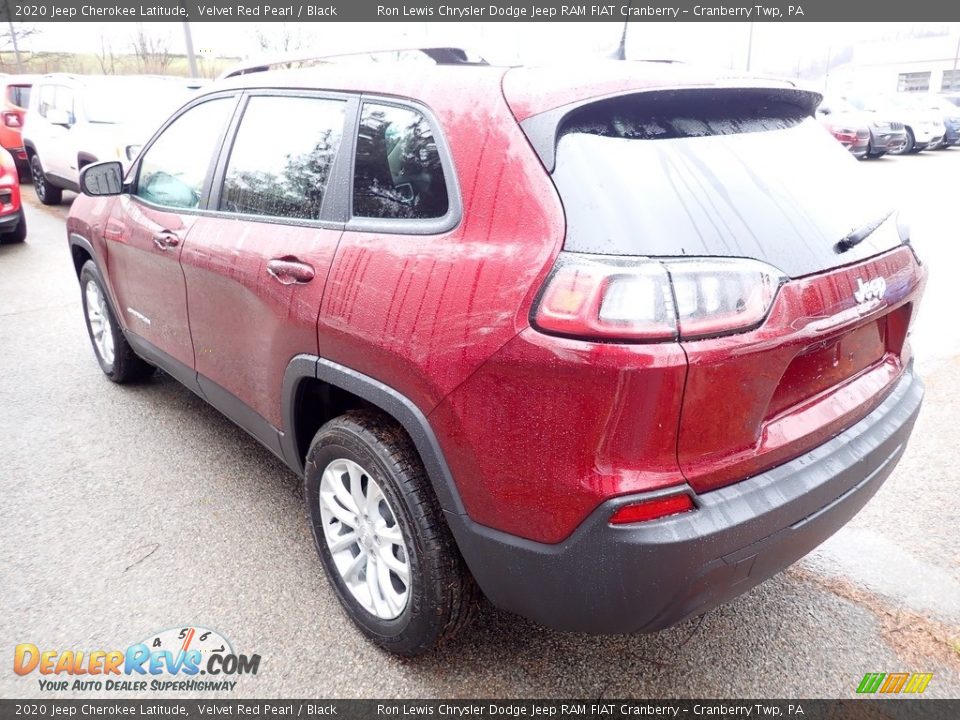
612	344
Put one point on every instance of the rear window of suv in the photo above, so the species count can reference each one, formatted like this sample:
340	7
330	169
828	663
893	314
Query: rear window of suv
713	174
19	95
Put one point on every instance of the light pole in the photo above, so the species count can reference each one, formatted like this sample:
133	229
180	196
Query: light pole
621	53
750	47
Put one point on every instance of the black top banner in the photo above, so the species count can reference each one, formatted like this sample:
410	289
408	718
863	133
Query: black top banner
485	11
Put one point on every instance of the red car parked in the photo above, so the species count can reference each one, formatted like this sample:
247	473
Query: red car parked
13	224
612	343
14	98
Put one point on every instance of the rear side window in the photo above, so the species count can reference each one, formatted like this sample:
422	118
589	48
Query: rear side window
282	156
398	173
174	168
703	173
19	95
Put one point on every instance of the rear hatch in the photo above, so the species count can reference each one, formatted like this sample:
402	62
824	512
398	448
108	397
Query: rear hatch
739	175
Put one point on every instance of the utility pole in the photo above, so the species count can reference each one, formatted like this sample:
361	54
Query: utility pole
191	57
750	47
826	70
621	53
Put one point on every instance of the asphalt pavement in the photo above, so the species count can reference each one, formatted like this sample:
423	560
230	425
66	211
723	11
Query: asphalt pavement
125	511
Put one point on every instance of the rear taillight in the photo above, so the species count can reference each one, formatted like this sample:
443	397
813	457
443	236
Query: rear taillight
652	509
12	119
847	136
644	299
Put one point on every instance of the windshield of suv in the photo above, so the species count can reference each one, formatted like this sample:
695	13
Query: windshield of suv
121	100
741	178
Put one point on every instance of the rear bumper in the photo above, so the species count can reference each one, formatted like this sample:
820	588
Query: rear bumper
10	221
645	577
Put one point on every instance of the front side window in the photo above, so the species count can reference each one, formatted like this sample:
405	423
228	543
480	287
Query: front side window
47	93
64	103
282	157
175	166
398	173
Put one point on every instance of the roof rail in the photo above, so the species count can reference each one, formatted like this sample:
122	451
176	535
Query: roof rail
440	55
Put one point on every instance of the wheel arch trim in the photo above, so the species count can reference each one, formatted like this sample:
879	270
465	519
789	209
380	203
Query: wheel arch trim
390	401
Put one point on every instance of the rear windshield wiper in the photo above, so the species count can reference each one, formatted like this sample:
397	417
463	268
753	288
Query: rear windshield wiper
855	237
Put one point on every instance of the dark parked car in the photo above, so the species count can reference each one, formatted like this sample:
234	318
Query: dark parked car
924	129
850	127
612	343
886	133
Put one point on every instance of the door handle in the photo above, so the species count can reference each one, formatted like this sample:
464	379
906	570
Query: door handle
289	270
166	240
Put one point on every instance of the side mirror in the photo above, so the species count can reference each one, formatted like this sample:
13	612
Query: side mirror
824	110
102	178
59	117
131	151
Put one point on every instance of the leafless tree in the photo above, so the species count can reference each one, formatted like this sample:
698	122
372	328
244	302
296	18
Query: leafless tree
106	57
152	52
12	36
282	38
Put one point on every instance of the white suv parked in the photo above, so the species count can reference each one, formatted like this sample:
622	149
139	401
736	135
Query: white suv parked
75	120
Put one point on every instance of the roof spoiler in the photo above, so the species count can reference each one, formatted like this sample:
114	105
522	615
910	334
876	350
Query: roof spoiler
440	55
541	130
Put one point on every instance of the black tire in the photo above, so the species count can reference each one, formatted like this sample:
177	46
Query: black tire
442	594
873	154
910	145
126	366
19	234
47	193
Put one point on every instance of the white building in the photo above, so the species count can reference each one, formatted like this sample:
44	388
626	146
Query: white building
927	64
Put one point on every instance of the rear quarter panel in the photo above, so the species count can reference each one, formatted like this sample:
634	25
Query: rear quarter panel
422	312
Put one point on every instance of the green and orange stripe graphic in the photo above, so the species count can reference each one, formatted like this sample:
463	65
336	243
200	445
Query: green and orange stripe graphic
894	683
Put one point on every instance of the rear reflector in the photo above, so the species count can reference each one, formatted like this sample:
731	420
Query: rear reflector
652	509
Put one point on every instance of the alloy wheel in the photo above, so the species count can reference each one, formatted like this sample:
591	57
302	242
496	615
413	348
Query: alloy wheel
36	175
364	539
98	320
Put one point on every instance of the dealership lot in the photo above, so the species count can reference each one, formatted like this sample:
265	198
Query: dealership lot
128	511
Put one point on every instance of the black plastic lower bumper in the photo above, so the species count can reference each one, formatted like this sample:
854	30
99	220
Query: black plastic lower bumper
645	577
9	223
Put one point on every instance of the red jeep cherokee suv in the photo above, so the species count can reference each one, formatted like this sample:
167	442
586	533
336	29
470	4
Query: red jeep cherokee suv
610	344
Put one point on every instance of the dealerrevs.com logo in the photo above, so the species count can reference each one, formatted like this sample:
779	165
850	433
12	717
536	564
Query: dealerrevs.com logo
180	660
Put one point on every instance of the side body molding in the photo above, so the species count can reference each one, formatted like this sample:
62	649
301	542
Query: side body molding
384	397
